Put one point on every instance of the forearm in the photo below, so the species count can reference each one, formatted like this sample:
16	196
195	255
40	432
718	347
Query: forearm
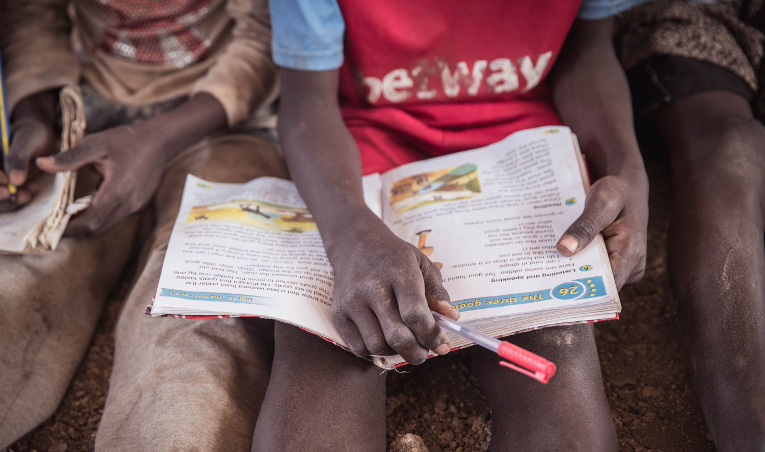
178	129
321	155
243	76
35	46
591	94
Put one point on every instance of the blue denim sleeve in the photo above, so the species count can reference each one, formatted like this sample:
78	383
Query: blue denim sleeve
600	9
307	34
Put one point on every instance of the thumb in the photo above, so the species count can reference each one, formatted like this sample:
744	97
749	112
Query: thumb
437	297
29	139
80	155
601	208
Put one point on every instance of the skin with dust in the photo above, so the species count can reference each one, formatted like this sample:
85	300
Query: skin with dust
385	287
717	260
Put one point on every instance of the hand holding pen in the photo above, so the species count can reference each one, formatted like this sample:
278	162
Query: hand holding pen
34	135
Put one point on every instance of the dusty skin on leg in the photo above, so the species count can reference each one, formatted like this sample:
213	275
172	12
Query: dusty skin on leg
50	307
320	398
180	384
568	414
717	259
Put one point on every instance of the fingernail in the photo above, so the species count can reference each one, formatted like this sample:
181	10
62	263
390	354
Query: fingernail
17	177
443	348
452	312
569	243
44	160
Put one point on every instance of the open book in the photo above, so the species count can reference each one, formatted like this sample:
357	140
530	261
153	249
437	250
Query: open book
39	225
489	218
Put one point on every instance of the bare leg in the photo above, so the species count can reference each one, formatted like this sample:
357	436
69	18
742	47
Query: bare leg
717	270
568	414
320	398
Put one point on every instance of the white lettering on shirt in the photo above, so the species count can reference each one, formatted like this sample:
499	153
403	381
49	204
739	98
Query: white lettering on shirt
452	80
423	93
505	79
394	85
375	88
533	74
478	69
399	85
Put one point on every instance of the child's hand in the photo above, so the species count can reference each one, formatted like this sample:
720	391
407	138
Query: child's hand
132	159
32	135
385	289
129	159
618	207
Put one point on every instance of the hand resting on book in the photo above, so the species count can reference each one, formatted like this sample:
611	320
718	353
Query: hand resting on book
382	285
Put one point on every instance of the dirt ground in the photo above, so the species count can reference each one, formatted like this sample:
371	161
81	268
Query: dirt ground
644	370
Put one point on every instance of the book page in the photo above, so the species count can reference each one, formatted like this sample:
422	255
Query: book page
250	249
14	226
490	219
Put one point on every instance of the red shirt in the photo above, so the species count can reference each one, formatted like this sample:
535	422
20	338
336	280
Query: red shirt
431	77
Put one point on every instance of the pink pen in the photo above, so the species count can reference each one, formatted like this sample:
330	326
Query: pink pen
528	363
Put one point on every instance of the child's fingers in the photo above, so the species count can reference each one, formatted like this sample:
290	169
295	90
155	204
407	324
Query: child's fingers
437	296
371	332
602	207
626	255
29	139
637	272
398	336
84	153
415	312
350	334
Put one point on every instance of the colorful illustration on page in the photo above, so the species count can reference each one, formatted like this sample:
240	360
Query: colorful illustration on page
257	214
449	184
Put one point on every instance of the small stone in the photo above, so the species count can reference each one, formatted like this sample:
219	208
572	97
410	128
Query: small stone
445	439
80	393
709	437
623	381
408	443
441	405
650	391
60	447
649	416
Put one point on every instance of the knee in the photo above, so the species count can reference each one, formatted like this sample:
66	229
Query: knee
297	347
732	168
572	341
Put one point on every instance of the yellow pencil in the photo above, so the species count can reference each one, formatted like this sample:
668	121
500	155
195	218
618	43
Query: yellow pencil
5	133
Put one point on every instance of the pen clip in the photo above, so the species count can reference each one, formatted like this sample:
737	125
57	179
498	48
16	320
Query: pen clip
525	362
538	376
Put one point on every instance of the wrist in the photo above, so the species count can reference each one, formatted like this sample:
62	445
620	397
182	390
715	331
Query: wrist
176	130
348	228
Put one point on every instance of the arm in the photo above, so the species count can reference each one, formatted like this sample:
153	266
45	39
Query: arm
34	41
243	76
384	287
592	97
37	60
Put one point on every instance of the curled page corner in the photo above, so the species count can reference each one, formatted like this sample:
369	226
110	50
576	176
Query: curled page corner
78	205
